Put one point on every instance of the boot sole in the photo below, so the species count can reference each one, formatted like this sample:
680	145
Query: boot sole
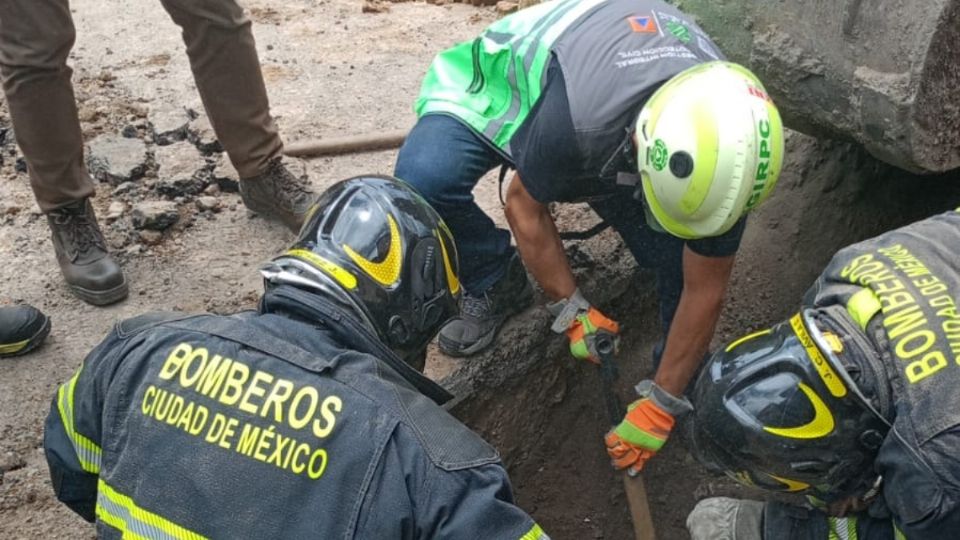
451	349
101	298
33	342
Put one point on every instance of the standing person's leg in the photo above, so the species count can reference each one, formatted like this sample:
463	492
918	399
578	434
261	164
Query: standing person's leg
35	39
443	159
223	58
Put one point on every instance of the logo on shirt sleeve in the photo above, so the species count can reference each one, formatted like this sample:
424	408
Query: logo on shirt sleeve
643	24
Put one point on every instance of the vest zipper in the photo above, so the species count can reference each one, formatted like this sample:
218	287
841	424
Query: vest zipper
477	83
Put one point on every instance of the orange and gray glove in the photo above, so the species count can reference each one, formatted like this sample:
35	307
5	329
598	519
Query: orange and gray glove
645	428
581	322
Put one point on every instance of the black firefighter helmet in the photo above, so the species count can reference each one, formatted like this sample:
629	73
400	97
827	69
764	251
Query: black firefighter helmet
377	249
776	410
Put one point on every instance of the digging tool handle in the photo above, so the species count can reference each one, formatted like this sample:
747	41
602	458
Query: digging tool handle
633	485
346	145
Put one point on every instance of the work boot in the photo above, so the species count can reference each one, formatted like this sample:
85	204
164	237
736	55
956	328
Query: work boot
85	263
22	329
482	315
278	194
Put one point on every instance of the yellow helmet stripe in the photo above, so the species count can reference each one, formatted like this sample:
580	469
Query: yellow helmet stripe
821	425
452	282
830	378
792	485
746	338
387	271
708	147
338	273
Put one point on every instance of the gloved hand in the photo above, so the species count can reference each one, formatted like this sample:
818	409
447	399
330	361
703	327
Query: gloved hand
645	428
581	322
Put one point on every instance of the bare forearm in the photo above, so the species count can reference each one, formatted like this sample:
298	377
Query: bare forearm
704	285
539	243
688	341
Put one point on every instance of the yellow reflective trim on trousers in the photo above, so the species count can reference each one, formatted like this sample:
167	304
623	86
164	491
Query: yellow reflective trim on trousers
708	147
898	534
746	338
387	271
862	306
88	453
821	425
535	533
122	513
10	348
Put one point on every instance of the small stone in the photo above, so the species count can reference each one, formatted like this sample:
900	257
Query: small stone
124	187
115	211
212	190
10	209
151	238
169	123
504	7
135	249
129	132
155	215
373	6
200	133
10	461
179	167
208	203
20	165
115	159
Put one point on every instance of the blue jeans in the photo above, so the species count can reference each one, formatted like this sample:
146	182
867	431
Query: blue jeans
444	159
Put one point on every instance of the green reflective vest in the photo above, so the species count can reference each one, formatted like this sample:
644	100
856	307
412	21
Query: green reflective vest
613	54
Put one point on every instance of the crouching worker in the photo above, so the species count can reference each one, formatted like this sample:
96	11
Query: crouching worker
303	419
854	401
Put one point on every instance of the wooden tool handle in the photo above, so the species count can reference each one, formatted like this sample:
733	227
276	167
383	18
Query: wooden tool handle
639	507
346	145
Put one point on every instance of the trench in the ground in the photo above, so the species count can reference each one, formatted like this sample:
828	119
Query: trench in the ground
548	423
549	428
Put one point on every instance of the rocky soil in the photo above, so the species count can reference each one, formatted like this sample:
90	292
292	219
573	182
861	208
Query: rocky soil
167	202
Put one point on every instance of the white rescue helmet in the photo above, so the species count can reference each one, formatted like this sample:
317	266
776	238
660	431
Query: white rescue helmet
710	145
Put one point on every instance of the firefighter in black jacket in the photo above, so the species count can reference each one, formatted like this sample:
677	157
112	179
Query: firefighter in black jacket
854	401
300	420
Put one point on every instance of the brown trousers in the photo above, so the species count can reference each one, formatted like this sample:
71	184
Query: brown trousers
35	38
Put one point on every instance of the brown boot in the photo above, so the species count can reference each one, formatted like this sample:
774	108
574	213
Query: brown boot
278	194
85	263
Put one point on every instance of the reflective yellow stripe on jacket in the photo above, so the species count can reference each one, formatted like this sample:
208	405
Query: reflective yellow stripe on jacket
121	512
535	533
842	528
88	453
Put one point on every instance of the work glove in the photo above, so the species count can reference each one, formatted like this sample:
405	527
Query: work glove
582	322
645	428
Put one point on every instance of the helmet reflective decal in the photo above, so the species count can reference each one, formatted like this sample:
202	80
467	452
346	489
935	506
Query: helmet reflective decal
821	425
834	384
452	282
342	276
791	485
746	338
387	271
658	156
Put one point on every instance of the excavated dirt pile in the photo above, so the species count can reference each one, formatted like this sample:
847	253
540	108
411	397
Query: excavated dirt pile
167	200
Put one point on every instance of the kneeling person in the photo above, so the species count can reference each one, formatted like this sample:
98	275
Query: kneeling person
302	419
853	401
